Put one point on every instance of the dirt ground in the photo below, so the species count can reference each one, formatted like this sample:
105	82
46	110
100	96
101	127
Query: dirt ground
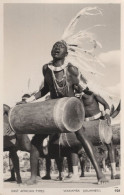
89	181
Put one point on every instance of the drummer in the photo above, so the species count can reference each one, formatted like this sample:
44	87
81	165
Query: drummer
59	79
91	103
92	112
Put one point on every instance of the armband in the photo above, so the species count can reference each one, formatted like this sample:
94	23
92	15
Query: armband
82	93
79	95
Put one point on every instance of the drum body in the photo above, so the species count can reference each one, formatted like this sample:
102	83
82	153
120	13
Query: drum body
48	117
98	131
10	139
9	136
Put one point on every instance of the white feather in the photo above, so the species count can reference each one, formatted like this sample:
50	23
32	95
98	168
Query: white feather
81	52
85	11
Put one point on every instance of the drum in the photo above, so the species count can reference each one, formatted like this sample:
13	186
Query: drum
47	117
9	136
98	131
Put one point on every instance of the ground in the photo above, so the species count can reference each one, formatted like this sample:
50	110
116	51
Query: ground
89	181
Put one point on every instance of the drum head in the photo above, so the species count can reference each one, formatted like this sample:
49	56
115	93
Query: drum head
105	131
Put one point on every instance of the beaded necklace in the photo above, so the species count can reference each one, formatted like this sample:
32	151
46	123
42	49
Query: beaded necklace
61	86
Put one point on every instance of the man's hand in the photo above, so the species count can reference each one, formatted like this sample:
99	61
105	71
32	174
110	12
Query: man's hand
107	117
21	102
79	95
30	99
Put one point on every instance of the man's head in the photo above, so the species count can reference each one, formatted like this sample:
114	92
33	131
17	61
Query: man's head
59	50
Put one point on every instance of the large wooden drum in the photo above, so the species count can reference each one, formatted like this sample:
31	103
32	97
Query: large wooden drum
9	135
98	131
48	117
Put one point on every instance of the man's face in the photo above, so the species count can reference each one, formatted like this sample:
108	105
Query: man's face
59	51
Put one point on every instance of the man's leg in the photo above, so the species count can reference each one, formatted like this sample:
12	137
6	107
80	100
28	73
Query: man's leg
104	160
15	161
104	165
36	145
74	162
48	167
70	169
59	162
111	153
24	142
82	164
12	178
34	157
38	170
91	154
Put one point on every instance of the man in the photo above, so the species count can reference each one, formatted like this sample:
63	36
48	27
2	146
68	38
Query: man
59	80
91	103
9	144
22	143
92	112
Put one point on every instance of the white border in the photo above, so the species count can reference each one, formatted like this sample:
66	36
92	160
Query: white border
60	191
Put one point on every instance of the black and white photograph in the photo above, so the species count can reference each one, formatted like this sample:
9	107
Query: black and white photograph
62	98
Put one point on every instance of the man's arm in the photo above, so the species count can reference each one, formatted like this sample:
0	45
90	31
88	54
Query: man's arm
42	92
100	100
81	92
72	72
116	112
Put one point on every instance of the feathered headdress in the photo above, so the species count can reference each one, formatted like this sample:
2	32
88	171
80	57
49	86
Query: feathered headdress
85	59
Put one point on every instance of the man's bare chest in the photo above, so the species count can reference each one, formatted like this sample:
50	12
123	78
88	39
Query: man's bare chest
59	75
89	100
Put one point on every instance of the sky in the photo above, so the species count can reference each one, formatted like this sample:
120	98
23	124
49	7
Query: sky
30	30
